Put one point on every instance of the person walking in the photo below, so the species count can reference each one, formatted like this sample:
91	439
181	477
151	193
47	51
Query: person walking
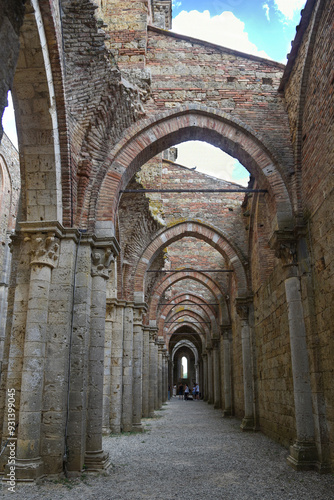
186	393
181	391
197	391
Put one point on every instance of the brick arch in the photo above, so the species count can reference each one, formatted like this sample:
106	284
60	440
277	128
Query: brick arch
189	313
149	137
185	343
161	287
195	332
198	230
193	301
198	329
223	308
38	96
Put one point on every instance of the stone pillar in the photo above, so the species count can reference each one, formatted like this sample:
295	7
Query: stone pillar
110	317
205	376
4	284
137	364
216	373
165	377
78	395
160	371
156	375
248	422
44	256
146	372
116	394
95	457
200	377
303	453
127	403
18	295
153	373
227	338
210	378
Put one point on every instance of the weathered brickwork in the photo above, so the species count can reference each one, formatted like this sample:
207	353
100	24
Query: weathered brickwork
314	111
185	71
100	93
275	390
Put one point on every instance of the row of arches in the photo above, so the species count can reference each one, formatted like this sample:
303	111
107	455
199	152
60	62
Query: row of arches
90	338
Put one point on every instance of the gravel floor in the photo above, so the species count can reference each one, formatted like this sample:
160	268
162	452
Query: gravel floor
189	452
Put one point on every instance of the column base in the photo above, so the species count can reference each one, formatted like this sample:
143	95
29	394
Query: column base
106	431
217	406
137	428
95	461
303	456
26	470
247	424
227	413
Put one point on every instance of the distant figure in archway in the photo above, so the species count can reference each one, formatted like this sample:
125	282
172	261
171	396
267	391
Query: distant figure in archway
186	393
181	391
197	391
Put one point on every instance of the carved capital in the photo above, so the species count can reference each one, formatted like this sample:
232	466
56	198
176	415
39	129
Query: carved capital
153	336
215	343
44	248
101	260
226	331
284	244
138	311
242	307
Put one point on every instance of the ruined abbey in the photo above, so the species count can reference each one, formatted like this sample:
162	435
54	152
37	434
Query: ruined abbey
117	262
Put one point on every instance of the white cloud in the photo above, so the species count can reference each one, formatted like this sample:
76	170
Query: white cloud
224	29
211	161
289	7
266	8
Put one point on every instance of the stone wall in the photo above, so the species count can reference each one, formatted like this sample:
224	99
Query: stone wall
308	93
9	203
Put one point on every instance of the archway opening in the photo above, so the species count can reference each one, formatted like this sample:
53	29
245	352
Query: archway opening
184	363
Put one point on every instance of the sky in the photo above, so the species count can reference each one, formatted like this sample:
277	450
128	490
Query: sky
263	28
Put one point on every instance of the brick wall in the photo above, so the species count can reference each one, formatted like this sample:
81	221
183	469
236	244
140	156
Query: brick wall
313	106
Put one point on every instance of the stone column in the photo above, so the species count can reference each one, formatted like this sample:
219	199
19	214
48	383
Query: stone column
127	403
95	457
116	394
210	378
4	284
163	371
153	373
227	338
303	453
205	376
137	364
146	372
110	318
156	377
160	370
248	422
165	377
200	377
44	256
216	373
